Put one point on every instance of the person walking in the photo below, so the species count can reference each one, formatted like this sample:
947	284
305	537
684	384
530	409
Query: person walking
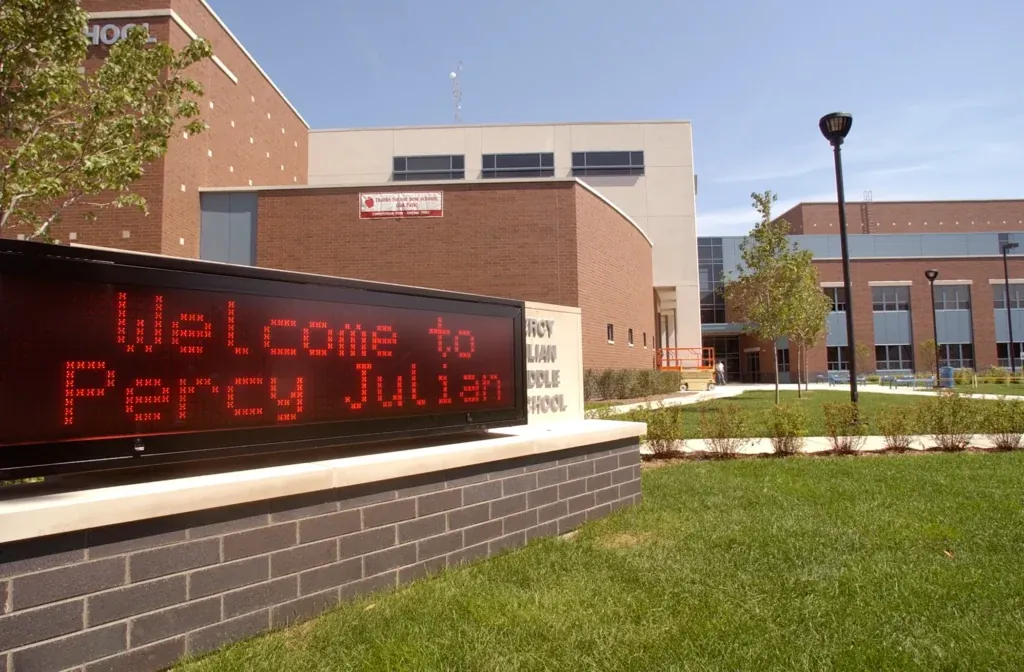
720	372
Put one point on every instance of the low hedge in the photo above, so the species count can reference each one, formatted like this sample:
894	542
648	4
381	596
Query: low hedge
610	384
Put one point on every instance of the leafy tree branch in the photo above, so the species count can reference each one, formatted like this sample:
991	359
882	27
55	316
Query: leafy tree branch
68	135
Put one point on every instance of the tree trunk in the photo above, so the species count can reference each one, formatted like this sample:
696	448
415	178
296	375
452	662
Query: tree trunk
799	370
775	363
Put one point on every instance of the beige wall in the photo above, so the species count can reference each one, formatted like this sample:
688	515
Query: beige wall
662	201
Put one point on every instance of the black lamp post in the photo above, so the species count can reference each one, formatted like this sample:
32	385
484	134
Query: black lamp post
835	127
931	274
1009	315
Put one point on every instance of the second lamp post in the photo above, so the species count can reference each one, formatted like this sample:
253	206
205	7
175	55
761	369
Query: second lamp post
931	274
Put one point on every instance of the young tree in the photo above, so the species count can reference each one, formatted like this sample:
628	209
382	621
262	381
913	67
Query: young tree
763	292
68	135
863	354
810	315
926	355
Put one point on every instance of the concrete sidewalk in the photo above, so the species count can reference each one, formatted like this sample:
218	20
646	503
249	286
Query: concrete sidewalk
735	389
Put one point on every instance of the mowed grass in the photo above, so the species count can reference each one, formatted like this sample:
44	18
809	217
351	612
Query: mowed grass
1008	389
756	404
896	563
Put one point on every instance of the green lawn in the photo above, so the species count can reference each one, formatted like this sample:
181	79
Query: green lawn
755	404
992	388
895	563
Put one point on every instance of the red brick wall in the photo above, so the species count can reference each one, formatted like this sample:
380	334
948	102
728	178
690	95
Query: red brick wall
551	242
909	217
616	283
511	240
979	271
223	156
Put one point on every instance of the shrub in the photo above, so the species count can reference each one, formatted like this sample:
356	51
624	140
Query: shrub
1004	421
628	383
787	424
844	426
894	423
873	379
996	374
963	377
723	428
946	417
664	434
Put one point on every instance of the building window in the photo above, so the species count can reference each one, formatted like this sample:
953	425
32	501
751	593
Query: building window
890	299
629	337
711	278
782	354
645	340
957	355
838	297
501	166
894	357
1016	295
838	357
611	333
953	297
1003	354
428	168
607	163
1009	238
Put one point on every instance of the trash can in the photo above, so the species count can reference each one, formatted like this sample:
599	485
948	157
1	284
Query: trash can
946	377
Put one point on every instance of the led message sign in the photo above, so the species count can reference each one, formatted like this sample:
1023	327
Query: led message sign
124	355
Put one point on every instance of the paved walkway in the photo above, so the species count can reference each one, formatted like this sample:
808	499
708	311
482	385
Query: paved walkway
732	390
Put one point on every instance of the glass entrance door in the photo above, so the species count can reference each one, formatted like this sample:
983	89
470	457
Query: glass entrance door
753	366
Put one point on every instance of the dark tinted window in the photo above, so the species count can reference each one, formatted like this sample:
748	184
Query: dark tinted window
447	167
607	163
518	165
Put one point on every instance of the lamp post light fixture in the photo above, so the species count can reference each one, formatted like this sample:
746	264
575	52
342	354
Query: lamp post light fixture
1007	246
835	127
931	274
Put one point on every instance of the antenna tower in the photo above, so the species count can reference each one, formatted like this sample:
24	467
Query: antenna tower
457	92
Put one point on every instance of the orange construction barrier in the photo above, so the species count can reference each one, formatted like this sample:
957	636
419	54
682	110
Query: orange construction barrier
696	365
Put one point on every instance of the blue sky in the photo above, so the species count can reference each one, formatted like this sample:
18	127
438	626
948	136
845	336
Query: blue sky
936	87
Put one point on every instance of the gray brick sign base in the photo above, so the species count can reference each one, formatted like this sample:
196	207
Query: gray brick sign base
138	597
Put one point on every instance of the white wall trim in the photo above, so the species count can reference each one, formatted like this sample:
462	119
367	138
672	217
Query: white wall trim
1001	281
143	13
832	284
614	207
890	283
173	15
954	282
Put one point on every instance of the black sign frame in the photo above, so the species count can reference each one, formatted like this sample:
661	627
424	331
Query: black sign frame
129	268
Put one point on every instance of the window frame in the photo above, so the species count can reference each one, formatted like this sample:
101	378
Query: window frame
890	298
597	163
491	168
904	360
456	170
839	362
961	360
610	332
834	294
